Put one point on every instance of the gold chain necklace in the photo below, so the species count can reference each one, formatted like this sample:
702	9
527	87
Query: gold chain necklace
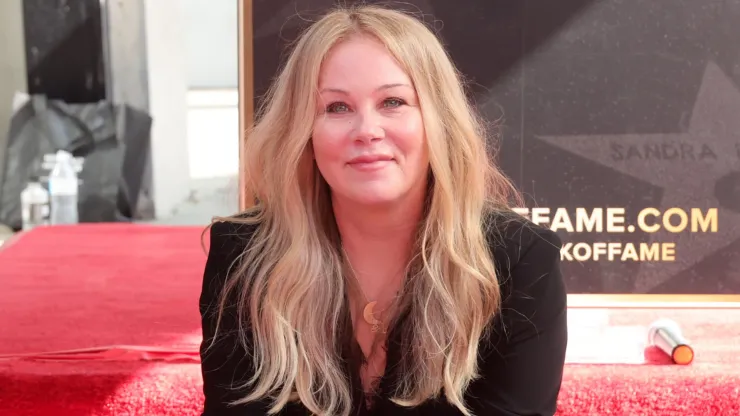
369	312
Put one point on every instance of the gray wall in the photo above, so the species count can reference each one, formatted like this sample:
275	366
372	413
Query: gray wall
211	39
12	64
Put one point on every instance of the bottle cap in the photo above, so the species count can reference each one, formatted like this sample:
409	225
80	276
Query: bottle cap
683	355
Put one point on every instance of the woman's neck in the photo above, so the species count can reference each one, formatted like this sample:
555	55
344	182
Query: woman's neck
378	240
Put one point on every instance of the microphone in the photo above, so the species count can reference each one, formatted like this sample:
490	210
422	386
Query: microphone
666	335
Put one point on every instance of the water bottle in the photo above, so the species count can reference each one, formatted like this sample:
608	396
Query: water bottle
63	185
34	205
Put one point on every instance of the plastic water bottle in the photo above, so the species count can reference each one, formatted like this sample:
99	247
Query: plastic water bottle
34	205
63	186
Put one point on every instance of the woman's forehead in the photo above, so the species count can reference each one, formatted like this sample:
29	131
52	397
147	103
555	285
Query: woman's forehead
360	62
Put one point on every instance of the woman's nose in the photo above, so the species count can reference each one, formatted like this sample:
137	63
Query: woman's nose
368	126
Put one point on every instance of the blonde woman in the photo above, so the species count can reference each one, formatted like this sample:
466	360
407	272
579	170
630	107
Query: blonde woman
381	271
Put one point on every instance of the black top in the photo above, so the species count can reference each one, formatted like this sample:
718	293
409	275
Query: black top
521	362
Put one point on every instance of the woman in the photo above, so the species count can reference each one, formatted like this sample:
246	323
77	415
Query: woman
381	271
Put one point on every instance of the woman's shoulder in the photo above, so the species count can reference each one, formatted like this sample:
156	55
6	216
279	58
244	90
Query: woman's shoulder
516	241
511	236
523	356
232	233
229	238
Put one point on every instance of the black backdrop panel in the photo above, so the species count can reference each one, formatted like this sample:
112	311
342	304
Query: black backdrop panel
64	49
618	115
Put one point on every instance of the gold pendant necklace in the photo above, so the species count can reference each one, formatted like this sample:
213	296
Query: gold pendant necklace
368	314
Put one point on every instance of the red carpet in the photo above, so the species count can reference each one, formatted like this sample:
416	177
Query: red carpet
127	285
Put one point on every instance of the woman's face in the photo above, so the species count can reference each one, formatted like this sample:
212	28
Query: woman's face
368	138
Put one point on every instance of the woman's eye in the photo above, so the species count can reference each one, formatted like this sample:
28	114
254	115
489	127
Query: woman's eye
337	108
393	103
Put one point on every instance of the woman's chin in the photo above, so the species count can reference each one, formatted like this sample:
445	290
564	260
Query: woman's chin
373	197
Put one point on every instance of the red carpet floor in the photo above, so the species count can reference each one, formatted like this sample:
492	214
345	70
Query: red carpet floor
131	285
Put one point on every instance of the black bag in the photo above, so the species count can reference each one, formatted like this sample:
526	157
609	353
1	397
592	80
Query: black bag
112	140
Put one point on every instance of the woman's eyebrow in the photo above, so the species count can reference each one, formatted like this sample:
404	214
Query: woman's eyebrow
382	87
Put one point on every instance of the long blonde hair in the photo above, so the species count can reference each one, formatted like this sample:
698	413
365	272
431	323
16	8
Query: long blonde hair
290	279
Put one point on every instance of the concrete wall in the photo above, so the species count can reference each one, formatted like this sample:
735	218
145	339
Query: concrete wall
12	65
167	83
211	39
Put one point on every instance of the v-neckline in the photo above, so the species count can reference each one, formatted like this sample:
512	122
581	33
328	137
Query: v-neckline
384	383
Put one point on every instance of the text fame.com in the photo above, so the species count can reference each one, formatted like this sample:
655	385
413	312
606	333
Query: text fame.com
613	220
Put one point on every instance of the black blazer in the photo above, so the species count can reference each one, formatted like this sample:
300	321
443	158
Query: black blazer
521	362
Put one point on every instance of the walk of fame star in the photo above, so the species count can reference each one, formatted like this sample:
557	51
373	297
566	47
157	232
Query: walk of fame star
692	168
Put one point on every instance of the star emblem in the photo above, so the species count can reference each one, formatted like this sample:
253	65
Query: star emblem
696	168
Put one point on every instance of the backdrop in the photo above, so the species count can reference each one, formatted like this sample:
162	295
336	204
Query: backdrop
620	121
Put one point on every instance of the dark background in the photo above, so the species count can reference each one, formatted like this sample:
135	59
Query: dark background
64	49
649	86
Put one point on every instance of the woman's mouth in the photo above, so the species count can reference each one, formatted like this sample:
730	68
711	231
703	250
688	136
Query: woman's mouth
370	162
